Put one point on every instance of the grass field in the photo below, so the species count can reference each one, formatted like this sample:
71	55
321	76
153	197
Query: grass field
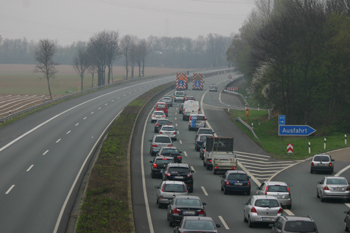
21	80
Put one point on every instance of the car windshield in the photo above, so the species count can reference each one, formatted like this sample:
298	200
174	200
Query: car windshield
267	203
199	225
205	131
174	188
166	99
179	93
161	106
237	177
170	151
187	202
300	226
179	170
201	118
158	113
277	188
162	139
203	138
321	158
167	128
337	181
163	161
163	122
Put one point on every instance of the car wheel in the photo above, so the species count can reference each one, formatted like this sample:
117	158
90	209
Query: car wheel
208	167
204	164
311	171
189	128
250	224
317	195
171	224
225	192
152	175
322	199
289	206
331	171
346	228
222	189
190	190
159	205
244	218
214	171
248	193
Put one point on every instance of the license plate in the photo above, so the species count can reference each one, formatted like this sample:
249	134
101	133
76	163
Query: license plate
238	183
188	212
338	189
178	177
267	219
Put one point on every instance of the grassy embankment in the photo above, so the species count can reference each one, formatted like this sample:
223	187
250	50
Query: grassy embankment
267	132
105	207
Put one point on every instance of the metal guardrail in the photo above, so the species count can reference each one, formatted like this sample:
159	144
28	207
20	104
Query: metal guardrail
246	125
236	93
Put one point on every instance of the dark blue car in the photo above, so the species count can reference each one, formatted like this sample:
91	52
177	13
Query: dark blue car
235	181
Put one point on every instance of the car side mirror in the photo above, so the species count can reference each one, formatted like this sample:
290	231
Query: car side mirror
218	225
204	203
192	171
249	177
151	161
345	212
150	140
180	152
332	159
157	187
223	176
318	182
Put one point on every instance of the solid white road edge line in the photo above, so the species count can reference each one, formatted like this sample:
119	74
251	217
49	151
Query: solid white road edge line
78	175
342	170
9	190
223	222
290	213
148	212
204	191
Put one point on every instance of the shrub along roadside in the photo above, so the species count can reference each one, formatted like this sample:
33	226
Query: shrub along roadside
107	206
276	146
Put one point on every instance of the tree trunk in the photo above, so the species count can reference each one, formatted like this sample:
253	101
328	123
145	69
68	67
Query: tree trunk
92	80
82	82
48	85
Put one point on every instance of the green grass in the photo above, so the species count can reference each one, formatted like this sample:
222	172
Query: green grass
267	132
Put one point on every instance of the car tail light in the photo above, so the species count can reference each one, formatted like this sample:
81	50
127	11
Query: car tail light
209	160
163	115
164	159
174	132
227	182
169	124
216	167
280	211
154	145
348	188
312	164
288	190
233	168
153	115
157	124
189	175
204	118
176	211
170	145
178	157
201	211
330	164
266	190
253	210
155	165
190	117
248	184
167	174
203	151
161	132
325	188
163	187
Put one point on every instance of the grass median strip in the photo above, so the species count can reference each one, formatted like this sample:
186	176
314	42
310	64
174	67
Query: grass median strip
106	207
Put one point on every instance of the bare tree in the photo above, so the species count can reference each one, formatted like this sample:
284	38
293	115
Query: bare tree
143	52
81	64
113	51
44	56
125	44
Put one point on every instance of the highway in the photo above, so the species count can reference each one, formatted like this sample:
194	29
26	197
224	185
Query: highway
43	156
227	210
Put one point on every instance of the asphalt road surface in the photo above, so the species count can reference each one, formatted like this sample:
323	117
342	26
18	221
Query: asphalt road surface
227	210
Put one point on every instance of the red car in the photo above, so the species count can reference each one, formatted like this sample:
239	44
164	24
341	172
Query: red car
161	106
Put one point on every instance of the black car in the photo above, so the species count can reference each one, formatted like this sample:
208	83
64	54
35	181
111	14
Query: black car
202	151
200	140
182	206
172	152
181	108
160	123
197	224
235	181
159	163
179	172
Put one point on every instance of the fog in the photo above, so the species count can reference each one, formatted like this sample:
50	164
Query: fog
66	21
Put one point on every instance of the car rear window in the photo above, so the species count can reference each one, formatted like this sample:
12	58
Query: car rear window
179	93
300	226
267	203
187	202
203	138
170	151
163	139
162	122
199	225
174	188
337	181
179	169
163	161
205	131
321	158
238	177
158	113
201	118
168	128
161	106
167	99
277	188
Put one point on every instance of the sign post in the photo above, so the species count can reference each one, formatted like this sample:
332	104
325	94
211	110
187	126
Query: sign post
247	114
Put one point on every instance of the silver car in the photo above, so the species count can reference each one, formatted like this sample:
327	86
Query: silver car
156	115
158	141
213	87
261	209
278	189
168	100
167	190
322	163
333	187
169	130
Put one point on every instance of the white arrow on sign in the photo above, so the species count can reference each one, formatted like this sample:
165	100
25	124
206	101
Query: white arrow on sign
289	148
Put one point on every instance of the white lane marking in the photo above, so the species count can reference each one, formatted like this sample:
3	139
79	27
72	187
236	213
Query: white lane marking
9	190
223	222
347	204
123	95
342	170
178	132
290	213
106	104
30	167
204	191
193	169
246	153
176	124
175	118
185	153
175	113
69	132
118	98
129	93
112	101
79	174
76	124
180	141
45	152
99	108
84	118
58	140
92	113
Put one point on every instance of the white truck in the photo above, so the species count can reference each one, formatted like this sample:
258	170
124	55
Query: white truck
190	107
219	154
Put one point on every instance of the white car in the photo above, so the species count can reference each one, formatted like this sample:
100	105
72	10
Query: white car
169	130
156	115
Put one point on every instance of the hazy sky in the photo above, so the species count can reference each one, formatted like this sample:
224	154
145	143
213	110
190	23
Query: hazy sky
71	20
